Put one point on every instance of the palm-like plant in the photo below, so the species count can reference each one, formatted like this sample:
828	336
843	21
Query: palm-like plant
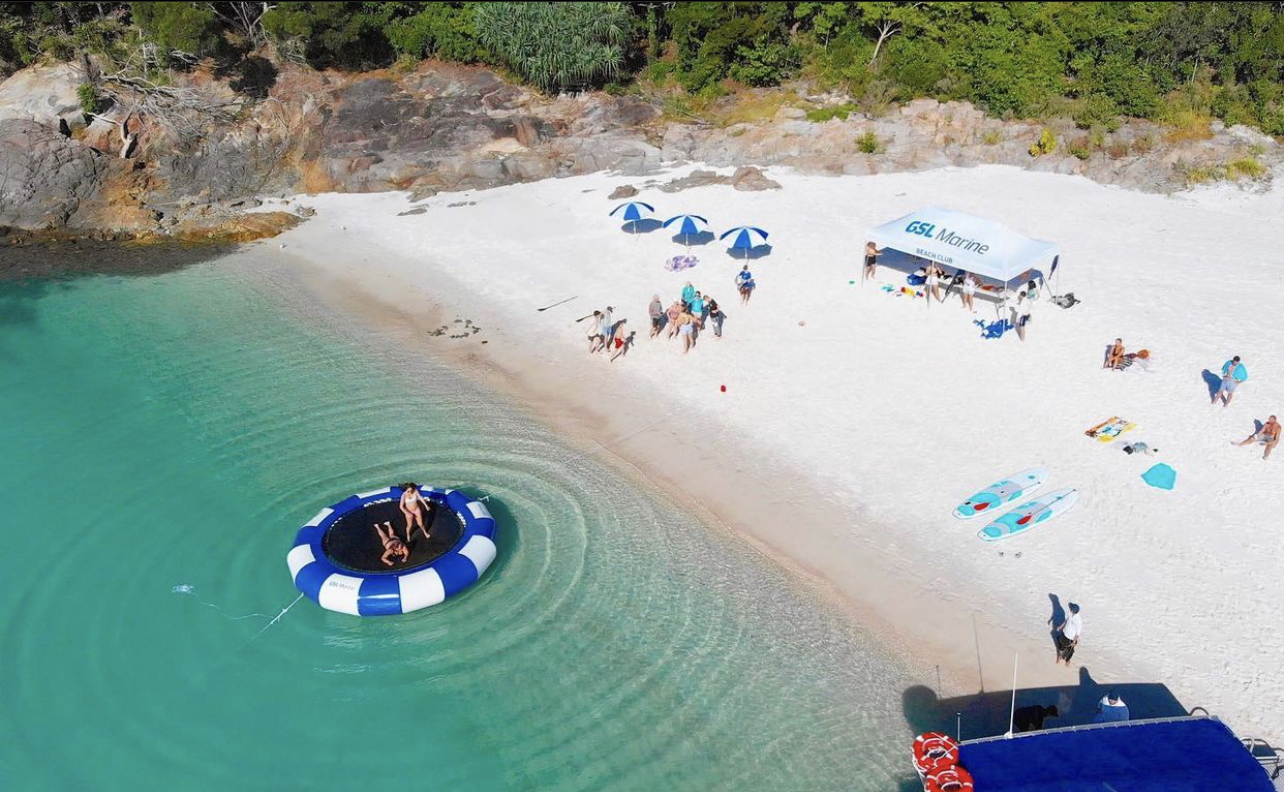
557	46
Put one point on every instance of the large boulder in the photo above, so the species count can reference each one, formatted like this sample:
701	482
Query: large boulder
45	178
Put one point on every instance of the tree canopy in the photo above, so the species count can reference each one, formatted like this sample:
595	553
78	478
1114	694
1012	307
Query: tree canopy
1094	61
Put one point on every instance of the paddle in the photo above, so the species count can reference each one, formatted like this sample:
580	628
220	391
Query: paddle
554	305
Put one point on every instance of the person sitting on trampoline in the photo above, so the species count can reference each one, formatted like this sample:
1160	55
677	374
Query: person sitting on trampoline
416	509
394	550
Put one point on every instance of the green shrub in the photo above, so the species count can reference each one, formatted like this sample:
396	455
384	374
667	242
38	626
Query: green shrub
867	143
1046	144
439	30
1246	167
992	137
557	46
90	102
186	27
330	34
822	114
1080	149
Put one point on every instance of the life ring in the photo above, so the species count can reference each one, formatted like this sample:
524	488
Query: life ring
948	779
934	750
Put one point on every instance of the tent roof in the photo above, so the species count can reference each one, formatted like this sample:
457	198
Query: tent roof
964	241
1167	755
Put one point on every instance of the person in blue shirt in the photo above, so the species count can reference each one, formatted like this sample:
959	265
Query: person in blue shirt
1111	709
745	284
1233	374
688	293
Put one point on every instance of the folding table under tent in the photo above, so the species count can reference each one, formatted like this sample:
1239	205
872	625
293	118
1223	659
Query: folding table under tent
966	242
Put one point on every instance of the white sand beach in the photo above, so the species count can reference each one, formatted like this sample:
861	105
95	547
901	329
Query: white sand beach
853	420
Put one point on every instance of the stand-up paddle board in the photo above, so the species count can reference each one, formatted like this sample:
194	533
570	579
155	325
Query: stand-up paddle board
1000	493
1029	514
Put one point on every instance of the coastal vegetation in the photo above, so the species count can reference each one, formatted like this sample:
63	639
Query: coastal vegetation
1182	63
1179	63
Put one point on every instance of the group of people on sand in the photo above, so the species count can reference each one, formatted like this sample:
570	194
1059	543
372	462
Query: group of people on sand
1234	374
933	278
685	318
417	511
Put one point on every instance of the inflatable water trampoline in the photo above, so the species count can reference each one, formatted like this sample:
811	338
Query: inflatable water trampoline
338	557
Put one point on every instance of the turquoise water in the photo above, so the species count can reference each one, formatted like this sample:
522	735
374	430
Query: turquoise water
174	430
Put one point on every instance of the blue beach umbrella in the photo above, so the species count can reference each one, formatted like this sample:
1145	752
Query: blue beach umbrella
633	211
745	238
688	226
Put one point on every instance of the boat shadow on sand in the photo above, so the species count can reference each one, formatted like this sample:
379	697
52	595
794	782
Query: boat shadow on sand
986	714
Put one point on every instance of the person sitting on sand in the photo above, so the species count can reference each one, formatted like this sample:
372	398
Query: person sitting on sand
1268	435
871	262
672	314
394	550
1115	357
656	311
1111	709
415	508
745	284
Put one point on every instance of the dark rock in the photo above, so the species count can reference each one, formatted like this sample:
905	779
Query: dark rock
623	191
45	178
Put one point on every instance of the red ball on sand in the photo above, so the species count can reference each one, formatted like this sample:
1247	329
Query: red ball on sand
723	388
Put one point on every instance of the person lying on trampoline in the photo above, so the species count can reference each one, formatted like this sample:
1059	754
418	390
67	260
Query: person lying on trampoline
394	550
416	509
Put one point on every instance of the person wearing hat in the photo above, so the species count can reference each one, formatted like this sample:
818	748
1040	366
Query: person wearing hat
1068	633
1111	709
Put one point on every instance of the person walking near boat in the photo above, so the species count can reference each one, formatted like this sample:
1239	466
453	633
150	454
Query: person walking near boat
871	262
1268	435
1233	375
656	311
1068	633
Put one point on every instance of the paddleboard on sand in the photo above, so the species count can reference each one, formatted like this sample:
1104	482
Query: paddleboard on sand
994	497
1030	514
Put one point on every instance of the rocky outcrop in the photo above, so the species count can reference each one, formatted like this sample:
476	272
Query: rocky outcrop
449	127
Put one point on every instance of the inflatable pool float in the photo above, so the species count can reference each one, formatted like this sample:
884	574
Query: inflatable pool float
336	558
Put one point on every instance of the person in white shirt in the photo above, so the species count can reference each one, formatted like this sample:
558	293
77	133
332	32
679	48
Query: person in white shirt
1068	633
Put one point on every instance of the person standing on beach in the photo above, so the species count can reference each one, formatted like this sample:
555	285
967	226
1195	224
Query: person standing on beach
932	285
688	293
686	329
715	316
656	312
672	315
1268	435
871	262
1068	633
1023	314
595	337
968	292
1233	375
745	284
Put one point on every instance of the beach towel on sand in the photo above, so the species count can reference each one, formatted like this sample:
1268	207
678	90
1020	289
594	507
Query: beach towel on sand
1160	476
681	262
993	329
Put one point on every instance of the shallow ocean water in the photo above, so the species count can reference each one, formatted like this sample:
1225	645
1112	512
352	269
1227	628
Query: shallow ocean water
163	436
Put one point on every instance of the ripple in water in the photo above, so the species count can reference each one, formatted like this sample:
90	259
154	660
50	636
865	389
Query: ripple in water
176	430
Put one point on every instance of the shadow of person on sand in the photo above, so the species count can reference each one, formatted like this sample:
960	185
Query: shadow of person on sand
1058	617
1213	382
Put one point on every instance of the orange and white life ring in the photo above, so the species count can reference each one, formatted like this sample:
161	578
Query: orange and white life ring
934	750
948	779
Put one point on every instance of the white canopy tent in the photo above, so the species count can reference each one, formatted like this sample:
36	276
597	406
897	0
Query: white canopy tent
967	242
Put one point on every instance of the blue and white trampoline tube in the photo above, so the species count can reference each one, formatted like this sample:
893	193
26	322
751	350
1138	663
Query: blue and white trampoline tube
340	588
